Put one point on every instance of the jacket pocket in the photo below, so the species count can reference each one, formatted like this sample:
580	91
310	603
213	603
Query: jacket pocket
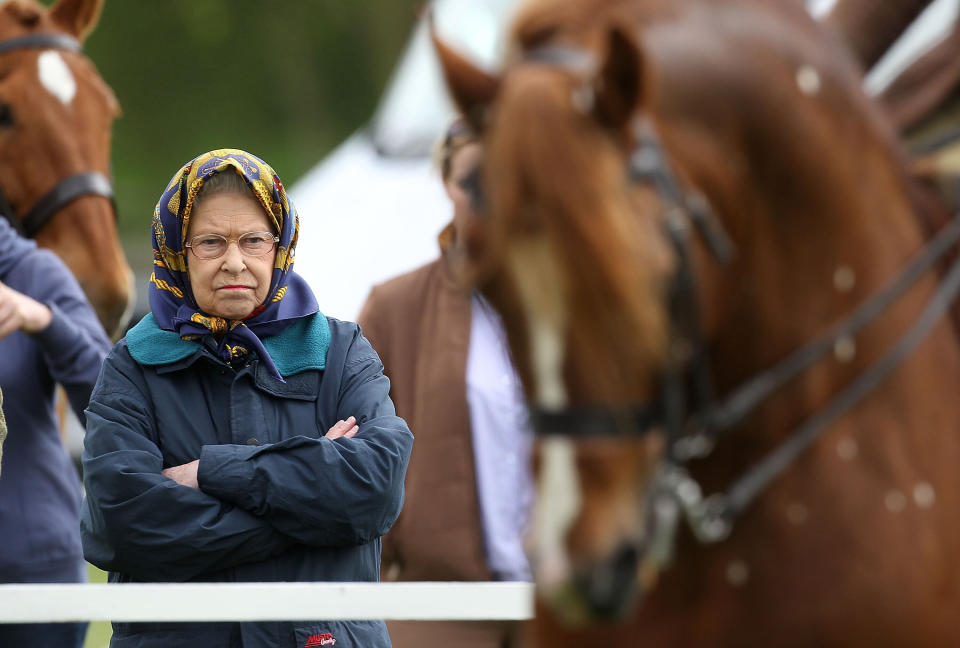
342	634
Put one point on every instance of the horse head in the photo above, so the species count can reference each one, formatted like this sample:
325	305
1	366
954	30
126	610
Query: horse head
573	258
56	115
662	181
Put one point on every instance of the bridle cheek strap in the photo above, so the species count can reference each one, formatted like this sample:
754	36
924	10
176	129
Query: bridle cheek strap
87	183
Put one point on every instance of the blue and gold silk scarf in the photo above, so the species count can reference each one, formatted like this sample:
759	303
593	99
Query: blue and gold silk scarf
171	296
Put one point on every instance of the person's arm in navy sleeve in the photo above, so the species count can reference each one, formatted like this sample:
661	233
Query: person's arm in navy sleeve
51	307
317	490
139	522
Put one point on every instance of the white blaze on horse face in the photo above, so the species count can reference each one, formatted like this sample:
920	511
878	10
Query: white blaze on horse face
537	277
547	345
56	77
558	504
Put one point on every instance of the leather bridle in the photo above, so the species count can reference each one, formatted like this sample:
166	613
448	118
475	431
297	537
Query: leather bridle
84	183
686	409
694	422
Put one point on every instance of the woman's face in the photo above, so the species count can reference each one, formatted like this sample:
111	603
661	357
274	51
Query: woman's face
463	162
233	285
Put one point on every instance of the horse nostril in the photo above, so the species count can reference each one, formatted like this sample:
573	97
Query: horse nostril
611	586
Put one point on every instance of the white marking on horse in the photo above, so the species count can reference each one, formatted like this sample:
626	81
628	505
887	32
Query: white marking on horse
844	279
797	513
547	343
845	349
924	495
895	501
538	281
808	80
558	503
56	77
847	449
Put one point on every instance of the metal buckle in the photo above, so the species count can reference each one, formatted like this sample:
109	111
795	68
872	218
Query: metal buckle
708	518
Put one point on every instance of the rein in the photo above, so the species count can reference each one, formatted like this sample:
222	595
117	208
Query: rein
694	433
86	183
686	408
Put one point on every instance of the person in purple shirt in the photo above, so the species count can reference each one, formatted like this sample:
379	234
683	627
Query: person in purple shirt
49	334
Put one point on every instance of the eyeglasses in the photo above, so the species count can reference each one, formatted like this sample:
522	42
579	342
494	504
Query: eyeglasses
213	246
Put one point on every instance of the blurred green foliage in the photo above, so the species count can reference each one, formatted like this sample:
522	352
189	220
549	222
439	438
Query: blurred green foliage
286	80
98	632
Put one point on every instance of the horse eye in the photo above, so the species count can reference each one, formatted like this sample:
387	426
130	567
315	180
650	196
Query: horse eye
6	115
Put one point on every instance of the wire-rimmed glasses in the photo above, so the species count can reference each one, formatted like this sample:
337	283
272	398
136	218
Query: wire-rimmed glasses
213	246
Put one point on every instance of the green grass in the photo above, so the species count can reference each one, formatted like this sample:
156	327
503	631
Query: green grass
99	632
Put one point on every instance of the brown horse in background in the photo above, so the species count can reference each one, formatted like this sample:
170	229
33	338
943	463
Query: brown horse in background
679	196
56	114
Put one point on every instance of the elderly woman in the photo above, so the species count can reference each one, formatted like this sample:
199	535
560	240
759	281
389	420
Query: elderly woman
236	433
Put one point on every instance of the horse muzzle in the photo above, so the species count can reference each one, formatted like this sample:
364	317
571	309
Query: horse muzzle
604	591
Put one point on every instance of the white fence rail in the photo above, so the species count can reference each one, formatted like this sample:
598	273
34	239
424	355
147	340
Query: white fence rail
265	601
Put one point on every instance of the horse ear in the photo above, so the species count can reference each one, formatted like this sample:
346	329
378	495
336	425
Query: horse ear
472	89
618	88
77	17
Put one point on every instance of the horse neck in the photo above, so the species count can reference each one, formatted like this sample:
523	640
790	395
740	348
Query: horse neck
803	197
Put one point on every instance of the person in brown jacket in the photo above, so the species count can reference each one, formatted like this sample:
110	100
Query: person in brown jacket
468	485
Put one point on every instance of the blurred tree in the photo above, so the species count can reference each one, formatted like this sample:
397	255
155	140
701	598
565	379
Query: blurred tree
285	80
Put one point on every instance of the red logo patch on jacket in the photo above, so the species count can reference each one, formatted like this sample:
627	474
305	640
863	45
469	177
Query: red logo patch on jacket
322	639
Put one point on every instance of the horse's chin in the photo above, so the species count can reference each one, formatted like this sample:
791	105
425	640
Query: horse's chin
605	593
113	305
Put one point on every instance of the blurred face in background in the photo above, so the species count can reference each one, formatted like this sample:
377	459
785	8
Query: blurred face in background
463	161
234	284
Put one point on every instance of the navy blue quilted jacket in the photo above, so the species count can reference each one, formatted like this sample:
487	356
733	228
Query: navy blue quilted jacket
277	500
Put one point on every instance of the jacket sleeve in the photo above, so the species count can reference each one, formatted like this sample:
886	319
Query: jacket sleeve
319	491
74	344
135	520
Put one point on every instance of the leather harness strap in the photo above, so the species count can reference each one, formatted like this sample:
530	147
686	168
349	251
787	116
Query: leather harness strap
86	183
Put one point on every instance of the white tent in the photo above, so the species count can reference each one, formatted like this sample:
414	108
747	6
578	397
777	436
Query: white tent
374	207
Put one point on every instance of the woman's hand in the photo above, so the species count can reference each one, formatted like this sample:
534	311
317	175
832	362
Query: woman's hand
184	474
17	311
346	428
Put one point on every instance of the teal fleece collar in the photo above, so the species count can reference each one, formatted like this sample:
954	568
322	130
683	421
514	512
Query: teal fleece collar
301	346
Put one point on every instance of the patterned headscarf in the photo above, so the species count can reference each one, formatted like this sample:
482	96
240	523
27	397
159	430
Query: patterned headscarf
171	296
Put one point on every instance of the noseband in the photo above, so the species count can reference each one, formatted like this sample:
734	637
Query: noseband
85	183
686	408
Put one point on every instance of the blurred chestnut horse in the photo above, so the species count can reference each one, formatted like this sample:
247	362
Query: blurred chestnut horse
55	119
699	232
